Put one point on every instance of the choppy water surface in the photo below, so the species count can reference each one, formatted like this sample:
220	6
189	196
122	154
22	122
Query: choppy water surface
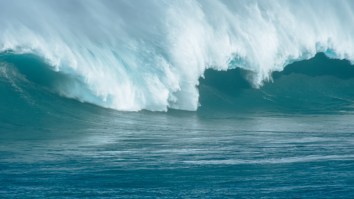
137	155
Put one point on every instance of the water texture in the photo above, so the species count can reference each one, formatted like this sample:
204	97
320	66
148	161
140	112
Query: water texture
176	99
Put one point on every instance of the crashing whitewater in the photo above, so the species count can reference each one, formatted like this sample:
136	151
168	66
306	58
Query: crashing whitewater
151	54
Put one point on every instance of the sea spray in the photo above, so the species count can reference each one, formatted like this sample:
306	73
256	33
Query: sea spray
150	54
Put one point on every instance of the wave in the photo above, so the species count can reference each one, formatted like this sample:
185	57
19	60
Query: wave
150	55
319	85
311	86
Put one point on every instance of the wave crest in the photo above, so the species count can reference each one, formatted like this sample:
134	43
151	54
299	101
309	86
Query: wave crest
149	55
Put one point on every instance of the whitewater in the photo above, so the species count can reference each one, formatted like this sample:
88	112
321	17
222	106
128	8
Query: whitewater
150	55
176	99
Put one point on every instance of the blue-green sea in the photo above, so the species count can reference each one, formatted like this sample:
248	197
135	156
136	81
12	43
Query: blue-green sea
178	155
177	99
53	147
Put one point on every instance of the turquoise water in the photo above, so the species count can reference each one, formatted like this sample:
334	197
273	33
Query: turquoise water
149	155
176	99
52	146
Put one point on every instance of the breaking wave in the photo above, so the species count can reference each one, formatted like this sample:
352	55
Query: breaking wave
153	55
311	86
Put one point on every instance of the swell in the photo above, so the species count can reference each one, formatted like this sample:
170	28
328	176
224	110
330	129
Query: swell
32	89
33	95
141	55
317	85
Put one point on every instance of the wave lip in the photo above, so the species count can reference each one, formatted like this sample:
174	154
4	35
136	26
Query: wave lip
150	55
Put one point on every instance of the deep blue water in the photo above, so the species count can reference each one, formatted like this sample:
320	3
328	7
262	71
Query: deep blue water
289	139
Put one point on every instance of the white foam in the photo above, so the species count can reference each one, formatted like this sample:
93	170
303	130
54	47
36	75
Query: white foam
150	54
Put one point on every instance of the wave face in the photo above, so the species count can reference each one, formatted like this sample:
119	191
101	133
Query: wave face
151	54
318	85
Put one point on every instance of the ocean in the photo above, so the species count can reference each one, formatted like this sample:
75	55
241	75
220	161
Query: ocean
183	99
